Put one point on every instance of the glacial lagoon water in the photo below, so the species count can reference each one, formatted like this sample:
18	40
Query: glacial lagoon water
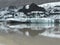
32	29
30	34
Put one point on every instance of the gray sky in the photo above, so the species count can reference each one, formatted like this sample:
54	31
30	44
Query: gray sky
4	3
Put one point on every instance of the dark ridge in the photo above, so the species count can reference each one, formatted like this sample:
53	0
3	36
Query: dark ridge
12	7
32	7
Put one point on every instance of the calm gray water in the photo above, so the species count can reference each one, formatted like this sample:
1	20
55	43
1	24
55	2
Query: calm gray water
29	34
32	29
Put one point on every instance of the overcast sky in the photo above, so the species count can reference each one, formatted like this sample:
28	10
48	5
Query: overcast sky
4	3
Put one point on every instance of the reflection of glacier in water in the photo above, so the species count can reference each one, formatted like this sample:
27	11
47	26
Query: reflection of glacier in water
52	32
35	26
49	30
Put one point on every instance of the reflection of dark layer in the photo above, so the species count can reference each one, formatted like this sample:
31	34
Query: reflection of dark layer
57	21
32	32
17	22
57	33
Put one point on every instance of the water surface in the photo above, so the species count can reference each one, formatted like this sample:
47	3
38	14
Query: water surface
29	34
